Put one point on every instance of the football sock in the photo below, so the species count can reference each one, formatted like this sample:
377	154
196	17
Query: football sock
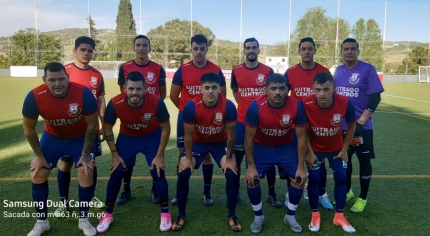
40	195
313	192
95	176
239	157
323	179
348	172
254	195
162	189
182	189
112	190
231	189
207	178
294	195
339	190
271	178
127	178
365	176
85	196
63	180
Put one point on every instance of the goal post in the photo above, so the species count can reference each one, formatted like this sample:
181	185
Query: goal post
109	69
424	74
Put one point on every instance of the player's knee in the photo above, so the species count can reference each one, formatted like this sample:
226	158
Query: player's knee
118	174
339	179
231	178
65	166
155	177
85	180
256	184
41	177
185	175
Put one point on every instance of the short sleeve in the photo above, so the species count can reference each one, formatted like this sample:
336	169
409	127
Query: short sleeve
177	77
189	113
102	88
162	113
121	78
162	79
251	118
110	114
374	85
29	108
221	75
90	104
350	112
301	115
233	82
231	113
271	72
286	77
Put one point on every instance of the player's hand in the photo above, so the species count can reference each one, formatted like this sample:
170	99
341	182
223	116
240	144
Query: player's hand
230	163
87	162
343	155
358	130
158	163
184	164
116	161
37	164
310	159
301	173
251	174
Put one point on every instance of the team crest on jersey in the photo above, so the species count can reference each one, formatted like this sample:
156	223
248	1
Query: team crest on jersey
94	81
286	120
337	118
74	110
354	78
260	79
150	79
147	117
218	118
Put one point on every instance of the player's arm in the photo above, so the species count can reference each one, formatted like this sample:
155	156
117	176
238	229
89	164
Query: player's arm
301	133
163	120
121	79
234	86
230	127
251	121
310	158
374	100
109	121
189	128
101	105
175	89
162	83
223	84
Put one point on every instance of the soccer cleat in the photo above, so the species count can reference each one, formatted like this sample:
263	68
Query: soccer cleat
234	224
105	221
125	195
257	225
286	200
340	220
273	200
291	221
174	201
314	226
86	226
179	223
61	212
97	203
39	228
165	222
349	195
325	202
208	201
359	205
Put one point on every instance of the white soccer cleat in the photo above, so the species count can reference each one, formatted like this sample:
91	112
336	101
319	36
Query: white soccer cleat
39	228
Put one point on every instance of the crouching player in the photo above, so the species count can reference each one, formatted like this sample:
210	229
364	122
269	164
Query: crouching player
325	112
145	128
209	124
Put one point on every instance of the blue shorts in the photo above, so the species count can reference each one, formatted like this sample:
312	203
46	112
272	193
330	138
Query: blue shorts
180	133
200	150
240	137
336	164
97	149
129	146
284	156
54	147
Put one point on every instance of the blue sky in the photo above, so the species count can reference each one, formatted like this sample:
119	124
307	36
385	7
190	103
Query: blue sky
267	20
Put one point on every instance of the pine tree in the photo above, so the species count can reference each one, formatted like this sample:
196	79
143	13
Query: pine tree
125	31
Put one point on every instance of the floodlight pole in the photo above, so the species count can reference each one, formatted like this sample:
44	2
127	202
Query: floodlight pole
140	16
383	37
36	43
240	30
191	24
337	34
289	36
89	20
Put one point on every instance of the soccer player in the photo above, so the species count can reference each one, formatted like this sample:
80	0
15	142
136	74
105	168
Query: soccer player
145	128
209	124
155	80
186	86
70	113
325	112
269	142
82	73
359	81
248	82
300	83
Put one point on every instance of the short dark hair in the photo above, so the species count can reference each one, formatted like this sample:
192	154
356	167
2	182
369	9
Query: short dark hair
350	40
142	37
276	78
322	77
84	40
199	39
210	77
135	76
307	39
53	67
251	40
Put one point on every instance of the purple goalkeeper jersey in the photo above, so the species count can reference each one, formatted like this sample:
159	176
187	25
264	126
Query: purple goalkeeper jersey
358	83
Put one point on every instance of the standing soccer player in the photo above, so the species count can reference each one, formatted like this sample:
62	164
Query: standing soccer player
70	113
155	82
186	86
145	128
209	124
269	142
325	112
82	73
359	81
300	79
248	81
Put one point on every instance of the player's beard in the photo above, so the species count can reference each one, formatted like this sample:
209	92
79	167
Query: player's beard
252	59
135	102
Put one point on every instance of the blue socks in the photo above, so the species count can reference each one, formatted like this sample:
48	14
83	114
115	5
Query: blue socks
40	195
208	170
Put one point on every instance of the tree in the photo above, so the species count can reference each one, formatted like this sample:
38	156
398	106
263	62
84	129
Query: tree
24	50
368	35
104	51
417	57
226	57
173	39
125	31
4	62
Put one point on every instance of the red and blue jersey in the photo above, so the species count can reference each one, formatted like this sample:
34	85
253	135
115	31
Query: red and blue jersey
324	124
188	77
300	80
137	121
274	124
64	116
209	121
249	84
155	75
90	78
